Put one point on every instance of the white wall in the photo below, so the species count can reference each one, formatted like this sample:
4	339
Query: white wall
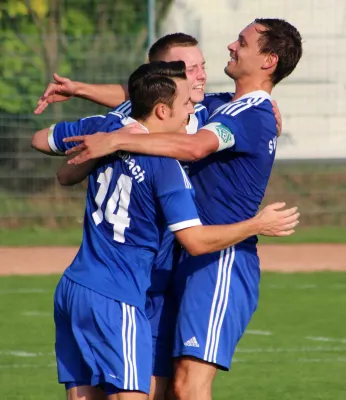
313	99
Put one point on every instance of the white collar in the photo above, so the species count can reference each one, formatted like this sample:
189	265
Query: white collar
256	93
129	120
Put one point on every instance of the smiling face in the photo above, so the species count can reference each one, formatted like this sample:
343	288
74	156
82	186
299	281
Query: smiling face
181	108
195	68
246	58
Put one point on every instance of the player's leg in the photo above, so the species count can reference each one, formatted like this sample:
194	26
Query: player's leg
169	395
128	396
161	312
85	393
73	371
158	388
219	297
193	379
114	340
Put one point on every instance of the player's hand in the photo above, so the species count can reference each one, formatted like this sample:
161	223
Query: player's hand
277	221
61	89
278	117
99	144
90	147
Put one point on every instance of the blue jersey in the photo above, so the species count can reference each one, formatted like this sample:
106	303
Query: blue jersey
161	272
131	199
212	101
93	124
234	180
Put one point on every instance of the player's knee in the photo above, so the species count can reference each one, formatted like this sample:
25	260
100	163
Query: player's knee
192	378
180	389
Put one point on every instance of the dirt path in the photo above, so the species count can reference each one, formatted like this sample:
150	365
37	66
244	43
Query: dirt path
284	258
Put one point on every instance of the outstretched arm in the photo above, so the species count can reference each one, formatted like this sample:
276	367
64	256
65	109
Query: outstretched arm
174	145
40	142
63	89
271	221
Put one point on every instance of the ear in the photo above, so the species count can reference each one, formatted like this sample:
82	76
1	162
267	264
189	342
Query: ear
161	111
270	61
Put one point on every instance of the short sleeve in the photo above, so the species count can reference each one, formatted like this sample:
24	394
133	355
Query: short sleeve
238	125
175	195
212	101
62	130
124	108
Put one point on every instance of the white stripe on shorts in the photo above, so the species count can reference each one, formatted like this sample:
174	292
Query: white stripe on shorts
129	332
219	304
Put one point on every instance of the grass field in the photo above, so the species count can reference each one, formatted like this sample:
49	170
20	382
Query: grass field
295	347
71	236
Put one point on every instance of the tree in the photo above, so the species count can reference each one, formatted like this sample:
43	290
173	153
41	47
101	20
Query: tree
91	40
85	39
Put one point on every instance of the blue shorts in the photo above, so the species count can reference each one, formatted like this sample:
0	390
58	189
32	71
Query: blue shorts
161	312
217	294
100	341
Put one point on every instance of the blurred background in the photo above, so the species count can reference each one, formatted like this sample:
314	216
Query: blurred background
295	346
103	41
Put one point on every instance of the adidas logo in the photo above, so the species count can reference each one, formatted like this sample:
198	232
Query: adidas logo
192	342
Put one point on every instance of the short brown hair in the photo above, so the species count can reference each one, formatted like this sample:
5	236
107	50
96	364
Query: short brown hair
167	42
283	39
152	84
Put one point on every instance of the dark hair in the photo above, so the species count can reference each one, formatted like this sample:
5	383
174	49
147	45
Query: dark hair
283	39
167	42
152	84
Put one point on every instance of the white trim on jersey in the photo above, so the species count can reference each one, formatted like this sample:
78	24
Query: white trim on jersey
129	120
93	116
248	105
186	179
124	108
236	107
117	114
256	93
129	332
199	107
51	142
192	126
218	94
219	304
184	224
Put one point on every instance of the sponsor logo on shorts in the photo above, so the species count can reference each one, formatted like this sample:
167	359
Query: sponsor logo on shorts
192	342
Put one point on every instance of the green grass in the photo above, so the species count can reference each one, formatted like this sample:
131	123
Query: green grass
40	236
71	236
284	365
317	234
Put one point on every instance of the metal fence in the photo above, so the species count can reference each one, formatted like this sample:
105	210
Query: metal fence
310	170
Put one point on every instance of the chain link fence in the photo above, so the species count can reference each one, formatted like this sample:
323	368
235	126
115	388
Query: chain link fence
107	43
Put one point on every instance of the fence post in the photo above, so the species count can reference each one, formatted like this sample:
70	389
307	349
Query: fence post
151	22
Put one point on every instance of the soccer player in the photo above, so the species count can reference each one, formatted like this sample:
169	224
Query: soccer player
177	46
219	292
160	308
171	47
103	337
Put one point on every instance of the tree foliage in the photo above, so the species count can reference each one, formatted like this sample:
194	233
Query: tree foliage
88	40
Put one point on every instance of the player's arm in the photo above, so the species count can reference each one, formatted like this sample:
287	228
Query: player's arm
175	196
174	145
50	140
222	131
109	95
63	89
40	141
69	175
271	221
